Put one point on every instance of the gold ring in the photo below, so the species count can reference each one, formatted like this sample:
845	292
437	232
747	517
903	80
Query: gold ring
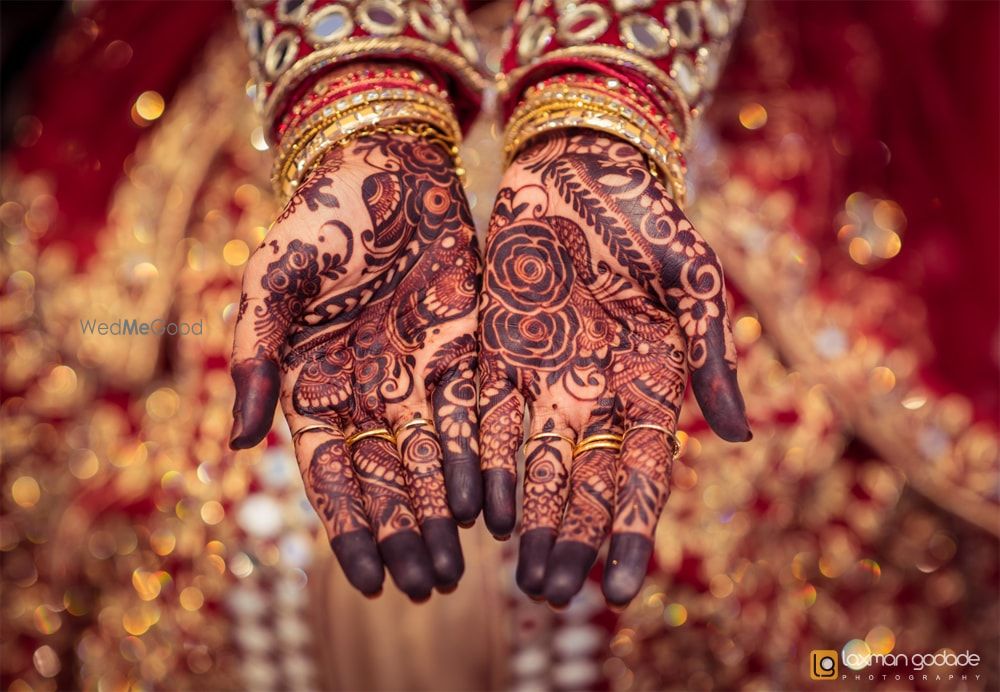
598	441
603	437
414	423
311	428
548	436
675	446
378	433
599	444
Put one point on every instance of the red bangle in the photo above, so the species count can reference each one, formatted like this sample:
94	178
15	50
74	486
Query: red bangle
352	84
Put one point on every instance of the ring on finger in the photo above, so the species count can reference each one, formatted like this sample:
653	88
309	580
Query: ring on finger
548	436
598	441
675	446
312	428
376	433
418	422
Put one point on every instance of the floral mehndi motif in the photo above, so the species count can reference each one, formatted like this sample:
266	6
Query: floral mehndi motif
599	299
359	309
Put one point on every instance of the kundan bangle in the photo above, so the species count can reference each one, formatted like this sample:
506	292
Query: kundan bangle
294	43
342	90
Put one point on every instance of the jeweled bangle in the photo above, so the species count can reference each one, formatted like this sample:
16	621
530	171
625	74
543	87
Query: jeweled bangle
295	139
390	113
345	88
293	42
672	49
405	126
589	89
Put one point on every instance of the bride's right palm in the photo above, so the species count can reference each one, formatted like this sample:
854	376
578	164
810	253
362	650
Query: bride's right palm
360	306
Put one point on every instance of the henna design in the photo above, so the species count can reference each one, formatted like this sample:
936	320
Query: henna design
546	480
363	303
599	297
606	186
315	192
452	387
384	487
643	488
588	516
451	377
421	455
332	489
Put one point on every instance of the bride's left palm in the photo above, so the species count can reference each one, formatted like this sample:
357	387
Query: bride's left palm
598	299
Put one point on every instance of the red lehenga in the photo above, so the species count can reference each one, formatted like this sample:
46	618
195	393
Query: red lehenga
846	174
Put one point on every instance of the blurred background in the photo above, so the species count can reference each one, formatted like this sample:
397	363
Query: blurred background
847	174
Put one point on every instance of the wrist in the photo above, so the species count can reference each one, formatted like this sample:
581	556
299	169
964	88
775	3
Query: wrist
354	102
407	132
603	104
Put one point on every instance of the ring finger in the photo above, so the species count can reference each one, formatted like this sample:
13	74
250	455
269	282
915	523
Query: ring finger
334	493
588	512
382	480
421	454
547	456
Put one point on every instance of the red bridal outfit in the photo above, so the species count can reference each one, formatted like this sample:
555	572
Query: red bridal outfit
846	175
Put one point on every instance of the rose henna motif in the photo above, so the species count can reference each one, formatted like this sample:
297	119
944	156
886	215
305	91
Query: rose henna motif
359	308
599	299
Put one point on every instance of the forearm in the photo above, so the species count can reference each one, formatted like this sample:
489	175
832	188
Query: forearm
643	73
325	74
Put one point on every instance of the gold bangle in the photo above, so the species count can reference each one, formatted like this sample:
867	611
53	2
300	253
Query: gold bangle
654	132
559	105
298	168
404	126
627	123
623	57
377	433
303	166
675	446
289	174
623	101
610	123
605	88
343	110
548	436
364	86
303	146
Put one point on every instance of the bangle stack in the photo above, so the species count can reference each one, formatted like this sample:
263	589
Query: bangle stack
355	104
603	104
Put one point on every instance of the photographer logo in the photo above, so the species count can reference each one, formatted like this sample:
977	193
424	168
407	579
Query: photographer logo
823	664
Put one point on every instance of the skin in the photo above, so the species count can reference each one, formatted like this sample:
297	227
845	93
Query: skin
358	311
599	300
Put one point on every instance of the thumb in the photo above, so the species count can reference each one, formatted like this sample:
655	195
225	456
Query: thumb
277	284
257	388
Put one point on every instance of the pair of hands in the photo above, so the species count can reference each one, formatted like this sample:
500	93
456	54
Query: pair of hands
361	308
